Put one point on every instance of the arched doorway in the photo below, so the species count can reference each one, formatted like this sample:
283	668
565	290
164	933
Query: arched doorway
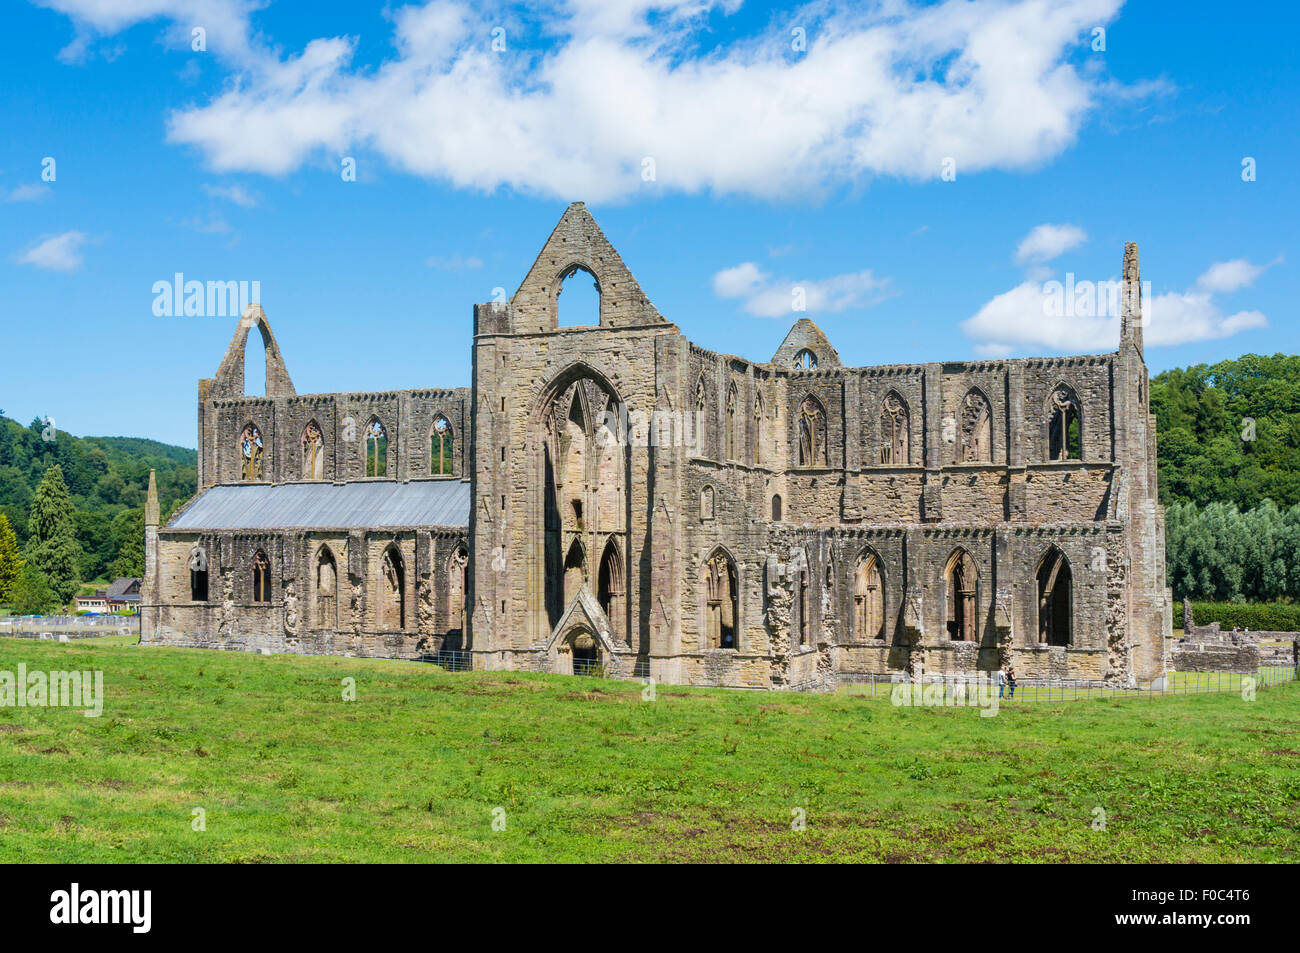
584	651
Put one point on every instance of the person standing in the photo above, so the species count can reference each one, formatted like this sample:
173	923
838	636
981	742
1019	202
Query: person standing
1011	681
1002	681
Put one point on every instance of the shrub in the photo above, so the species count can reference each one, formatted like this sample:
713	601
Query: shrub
1259	617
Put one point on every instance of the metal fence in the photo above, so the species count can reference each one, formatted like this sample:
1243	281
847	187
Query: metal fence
1059	690
66	628
453	660
127	629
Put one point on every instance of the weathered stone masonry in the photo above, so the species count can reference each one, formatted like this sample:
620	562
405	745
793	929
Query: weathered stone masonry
613	495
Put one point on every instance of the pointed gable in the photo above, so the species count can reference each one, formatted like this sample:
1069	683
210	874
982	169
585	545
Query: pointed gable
229	381
577	242
806	336
584	613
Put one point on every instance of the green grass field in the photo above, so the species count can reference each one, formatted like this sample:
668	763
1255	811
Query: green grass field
285	770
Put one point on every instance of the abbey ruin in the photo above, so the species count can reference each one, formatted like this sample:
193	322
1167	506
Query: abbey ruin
613	496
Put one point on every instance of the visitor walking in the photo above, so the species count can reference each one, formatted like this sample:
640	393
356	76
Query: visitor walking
1002	681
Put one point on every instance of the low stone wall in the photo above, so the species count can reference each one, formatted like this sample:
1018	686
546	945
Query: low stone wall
1209	648
1202	657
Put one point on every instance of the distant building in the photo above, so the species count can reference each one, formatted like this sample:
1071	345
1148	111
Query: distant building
93	604
122	596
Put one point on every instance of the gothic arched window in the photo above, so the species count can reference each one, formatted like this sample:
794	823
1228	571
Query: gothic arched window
963	597
327	576
392	590
440	447
976	429
893	430
261	577
1054	598
376	446
1064	425
805	360
812	433
721	602
457	586
198	574
759	435
313	452
250	449
609	587
868	599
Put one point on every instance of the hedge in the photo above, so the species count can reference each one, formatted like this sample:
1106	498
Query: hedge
1259	617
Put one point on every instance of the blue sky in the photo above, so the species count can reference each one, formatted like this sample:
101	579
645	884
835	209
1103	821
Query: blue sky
775	168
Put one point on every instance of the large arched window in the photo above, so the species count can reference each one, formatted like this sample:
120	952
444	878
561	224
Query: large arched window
812	433
440	447
327	583
261	577
392	590
1055	586
805	360
721	602
376	449
582	488
250	450
893	430
759	431
313	452
976	429
609	587
868	599
1064	425
962	585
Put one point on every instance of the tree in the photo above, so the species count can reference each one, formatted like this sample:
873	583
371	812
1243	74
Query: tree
10	563
130	553
32	594
52	546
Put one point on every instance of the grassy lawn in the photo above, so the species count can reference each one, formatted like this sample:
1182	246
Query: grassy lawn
287	771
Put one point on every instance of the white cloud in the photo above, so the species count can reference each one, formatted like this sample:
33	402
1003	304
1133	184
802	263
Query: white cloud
56	252
1192	316
1039	317
768	297
1046	242
32	192
737	281
1229	275
225	24
891	90
233	193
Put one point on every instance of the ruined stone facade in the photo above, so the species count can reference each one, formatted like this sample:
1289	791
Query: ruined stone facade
632	501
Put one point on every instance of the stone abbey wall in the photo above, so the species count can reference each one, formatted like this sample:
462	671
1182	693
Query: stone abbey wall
643	504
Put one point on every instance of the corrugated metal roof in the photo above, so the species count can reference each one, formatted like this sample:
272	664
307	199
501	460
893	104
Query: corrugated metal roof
329	506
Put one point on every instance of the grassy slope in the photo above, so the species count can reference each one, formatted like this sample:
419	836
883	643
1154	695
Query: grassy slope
586	770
